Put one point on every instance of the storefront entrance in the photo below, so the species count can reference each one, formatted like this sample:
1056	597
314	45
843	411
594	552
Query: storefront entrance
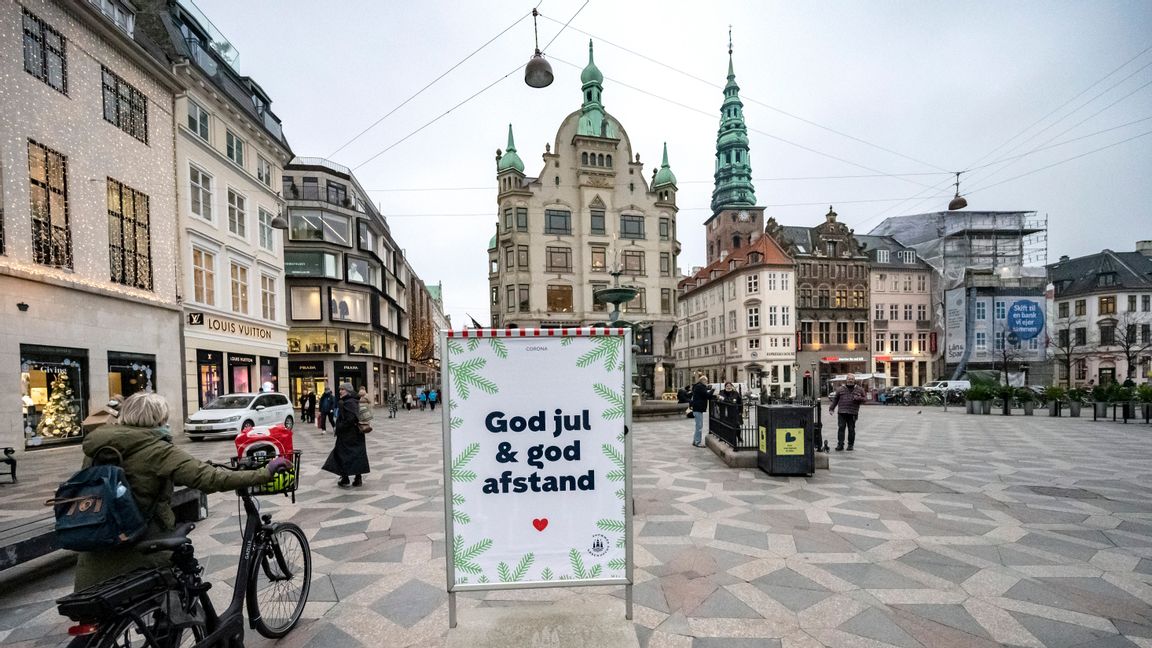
210	373
240	373
53	393
269	373
352	372
306	376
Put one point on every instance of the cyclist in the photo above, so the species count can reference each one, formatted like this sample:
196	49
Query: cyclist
153	466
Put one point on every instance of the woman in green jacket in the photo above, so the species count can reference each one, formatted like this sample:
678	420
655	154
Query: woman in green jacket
153	466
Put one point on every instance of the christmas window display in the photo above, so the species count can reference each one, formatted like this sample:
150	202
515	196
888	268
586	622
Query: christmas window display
54	396
129	373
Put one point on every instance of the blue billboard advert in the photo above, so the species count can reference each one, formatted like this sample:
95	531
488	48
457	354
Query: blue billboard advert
1026	319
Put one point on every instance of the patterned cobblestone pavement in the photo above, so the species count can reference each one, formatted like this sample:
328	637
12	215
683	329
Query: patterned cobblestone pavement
940	530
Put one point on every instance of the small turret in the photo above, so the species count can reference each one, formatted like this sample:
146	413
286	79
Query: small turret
664	177
510	160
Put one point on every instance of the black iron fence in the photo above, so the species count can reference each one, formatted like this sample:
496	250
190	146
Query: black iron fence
737	425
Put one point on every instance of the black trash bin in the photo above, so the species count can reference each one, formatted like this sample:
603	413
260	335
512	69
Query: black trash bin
786	440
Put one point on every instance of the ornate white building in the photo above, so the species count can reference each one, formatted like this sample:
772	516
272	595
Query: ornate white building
587	211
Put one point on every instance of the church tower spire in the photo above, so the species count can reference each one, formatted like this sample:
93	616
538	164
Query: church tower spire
593	121
733	164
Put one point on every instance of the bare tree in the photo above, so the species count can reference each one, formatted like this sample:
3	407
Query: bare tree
1005	352
1134	338
1067	343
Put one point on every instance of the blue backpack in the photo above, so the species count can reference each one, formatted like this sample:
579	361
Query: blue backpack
95	509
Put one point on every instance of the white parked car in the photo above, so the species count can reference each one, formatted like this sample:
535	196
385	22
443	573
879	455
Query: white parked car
231	413
947	385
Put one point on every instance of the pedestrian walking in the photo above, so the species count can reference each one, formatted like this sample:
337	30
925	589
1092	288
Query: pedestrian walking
848	398
327	405
349	457
393	404
701	394
308	407
408	401
422	396
433	397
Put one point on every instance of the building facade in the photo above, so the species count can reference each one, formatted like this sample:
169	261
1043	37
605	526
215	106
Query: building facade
347	285
736	321
832	306
1101	320
426	305
903	339
588	212
989	270
230	150
87	218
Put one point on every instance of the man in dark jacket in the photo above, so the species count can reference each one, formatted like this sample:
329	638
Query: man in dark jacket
153	465
701	394
327	406
350	454
848	398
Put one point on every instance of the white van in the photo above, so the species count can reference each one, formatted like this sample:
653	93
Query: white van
947	385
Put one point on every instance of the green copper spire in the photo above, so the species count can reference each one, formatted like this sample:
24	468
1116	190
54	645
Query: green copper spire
593	120
664	176
510	160
733	163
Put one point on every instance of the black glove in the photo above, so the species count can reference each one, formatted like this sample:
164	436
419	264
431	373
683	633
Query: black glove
279	465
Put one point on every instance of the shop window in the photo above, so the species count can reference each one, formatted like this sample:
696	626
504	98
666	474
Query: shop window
560	299
362	271
311	264
362	343
348	306
270	372
320	340
129	373
367	238
313	225
305	303
54	394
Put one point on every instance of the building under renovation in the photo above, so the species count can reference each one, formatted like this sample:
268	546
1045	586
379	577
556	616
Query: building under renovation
989	288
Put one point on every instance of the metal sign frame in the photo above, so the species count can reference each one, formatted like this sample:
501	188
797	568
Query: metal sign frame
446	417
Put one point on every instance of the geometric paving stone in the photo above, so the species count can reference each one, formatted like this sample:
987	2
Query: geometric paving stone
643	635
938	565
722	604
1052	545
735	642
794	599
821	541
953	616
331	636
869	576
346	585
667	529
741	536
874	624
860	542
1057	634
14	617
410	603
1144	566
788	578
910	486
392	554
1058	492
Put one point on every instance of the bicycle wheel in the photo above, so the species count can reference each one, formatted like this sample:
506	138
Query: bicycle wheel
134	629
279	583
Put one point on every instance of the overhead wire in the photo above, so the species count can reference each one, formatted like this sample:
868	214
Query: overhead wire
750	99
429	84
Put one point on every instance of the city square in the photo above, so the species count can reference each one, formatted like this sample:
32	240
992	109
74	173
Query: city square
940	529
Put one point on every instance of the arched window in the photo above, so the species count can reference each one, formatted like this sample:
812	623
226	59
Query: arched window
736	242
600	160
609	159
584	159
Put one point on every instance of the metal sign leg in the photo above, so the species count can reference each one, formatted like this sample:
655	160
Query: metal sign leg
452	609
628	602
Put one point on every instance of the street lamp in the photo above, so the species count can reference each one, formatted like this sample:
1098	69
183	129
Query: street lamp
278	221
538	72
958	202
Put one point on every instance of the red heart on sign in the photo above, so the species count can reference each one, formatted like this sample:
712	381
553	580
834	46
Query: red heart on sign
540	523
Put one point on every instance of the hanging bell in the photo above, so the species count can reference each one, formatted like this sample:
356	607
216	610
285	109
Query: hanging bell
538	72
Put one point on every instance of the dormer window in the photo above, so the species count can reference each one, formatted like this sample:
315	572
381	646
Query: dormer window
1106	279
754	257
908	256
830	248
118	13
881	256
732	264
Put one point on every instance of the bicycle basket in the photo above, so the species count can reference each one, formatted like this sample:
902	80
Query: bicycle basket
283	483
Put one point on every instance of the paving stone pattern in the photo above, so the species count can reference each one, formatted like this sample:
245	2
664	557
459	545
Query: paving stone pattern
940	530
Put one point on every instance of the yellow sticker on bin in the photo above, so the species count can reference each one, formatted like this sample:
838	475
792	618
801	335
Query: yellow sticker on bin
763	439
789	441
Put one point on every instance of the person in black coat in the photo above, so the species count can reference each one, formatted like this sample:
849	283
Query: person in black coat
350	454
308	407
327	407
701	394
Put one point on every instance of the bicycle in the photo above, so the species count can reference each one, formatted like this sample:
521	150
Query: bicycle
169	607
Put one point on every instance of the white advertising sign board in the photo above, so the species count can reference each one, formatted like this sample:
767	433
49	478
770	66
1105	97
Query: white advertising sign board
537	463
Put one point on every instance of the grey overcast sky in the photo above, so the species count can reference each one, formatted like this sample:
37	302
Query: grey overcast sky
908	88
